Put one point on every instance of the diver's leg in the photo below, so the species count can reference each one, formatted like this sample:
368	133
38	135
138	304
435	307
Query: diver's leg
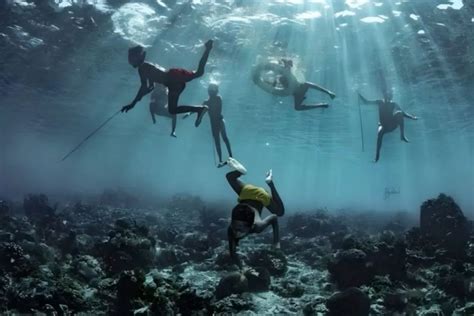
399	118
225	138
173	107
380	134
173	125
260	225
299	97
234	181
202	63
217	142
319	88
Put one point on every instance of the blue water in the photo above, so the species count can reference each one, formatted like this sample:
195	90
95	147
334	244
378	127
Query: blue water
423	51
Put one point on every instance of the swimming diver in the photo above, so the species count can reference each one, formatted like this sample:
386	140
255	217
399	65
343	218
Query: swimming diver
174	79
214	104
159	107
246	216
390	117
283	82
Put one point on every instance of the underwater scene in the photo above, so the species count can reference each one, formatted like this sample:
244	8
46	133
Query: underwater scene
237	157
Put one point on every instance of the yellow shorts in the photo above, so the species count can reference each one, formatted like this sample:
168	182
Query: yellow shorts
251	192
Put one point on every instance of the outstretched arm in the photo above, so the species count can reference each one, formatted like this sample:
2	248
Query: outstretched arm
143	91
372	102
276	204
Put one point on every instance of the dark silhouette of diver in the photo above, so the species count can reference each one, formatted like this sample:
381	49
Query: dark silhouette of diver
174	79
285	83
159	107
214	103
246	216
391	116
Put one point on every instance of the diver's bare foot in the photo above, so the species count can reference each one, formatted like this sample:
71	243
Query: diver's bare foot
173	134
404	139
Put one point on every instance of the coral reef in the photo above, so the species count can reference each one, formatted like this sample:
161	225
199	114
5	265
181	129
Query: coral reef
103	259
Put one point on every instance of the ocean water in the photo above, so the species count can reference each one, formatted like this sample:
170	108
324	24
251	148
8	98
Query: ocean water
64	70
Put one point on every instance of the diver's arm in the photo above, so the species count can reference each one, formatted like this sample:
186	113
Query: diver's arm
371	102
235	183
143	91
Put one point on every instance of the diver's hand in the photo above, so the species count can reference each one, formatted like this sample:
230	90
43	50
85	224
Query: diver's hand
269	178
128	107
332	95
237	166
209	44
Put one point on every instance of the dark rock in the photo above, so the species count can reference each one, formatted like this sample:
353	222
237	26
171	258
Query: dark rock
444	223
274	261
258	279
129	287
225	262
456	285
395	301
390	259
351	302
190	302
350	268
233	283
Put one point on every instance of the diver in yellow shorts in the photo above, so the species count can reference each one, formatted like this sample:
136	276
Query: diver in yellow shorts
246	216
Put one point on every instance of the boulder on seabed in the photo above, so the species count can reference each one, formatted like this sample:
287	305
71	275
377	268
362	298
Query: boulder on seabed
258	279
444	223
232	283
350	268
273	260
351	302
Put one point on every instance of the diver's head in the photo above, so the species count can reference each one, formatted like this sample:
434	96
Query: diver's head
213	89
136	56
243	217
